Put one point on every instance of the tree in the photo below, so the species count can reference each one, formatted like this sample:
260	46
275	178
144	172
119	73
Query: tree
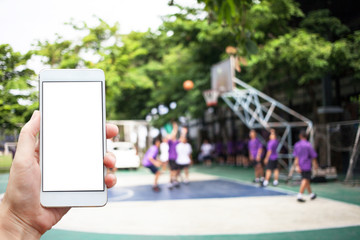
253	22
293	60
103	47
16	92
187	47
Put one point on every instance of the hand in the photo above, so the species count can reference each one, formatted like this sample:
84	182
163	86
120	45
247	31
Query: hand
266	161
297	168
21	215
258	159
157	163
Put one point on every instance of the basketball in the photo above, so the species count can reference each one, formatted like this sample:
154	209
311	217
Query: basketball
188	85
230	50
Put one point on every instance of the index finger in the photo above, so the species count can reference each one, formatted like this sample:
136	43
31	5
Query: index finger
27	137
111	130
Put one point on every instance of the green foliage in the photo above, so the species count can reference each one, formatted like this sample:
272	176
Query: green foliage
321	22
15	88
298	57
103	47
192	46
253	22
145	70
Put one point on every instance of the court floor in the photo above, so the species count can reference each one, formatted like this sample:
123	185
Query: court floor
212	206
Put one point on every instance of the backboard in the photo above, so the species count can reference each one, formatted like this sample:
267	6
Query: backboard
222	75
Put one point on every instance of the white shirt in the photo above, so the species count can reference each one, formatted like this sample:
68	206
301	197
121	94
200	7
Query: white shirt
164	152
206	149
183	151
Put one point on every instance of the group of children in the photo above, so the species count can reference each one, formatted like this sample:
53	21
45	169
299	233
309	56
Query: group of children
177	154
305	157
174	152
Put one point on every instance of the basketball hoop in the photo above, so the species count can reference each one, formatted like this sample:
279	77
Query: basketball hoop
211	97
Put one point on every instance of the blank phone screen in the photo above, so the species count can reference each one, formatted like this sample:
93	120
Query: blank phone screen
72	136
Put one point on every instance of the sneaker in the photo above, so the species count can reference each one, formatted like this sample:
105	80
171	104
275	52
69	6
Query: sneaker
256	180
176	184
262	179
313	196
275	183
186	182
301	200
170	186
156	189
265	183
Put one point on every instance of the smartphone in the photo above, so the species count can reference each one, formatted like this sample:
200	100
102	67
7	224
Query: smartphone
72	137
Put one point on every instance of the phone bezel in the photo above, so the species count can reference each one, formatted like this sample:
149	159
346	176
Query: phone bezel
72	198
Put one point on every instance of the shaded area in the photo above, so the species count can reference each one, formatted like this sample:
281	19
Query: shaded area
323	234
195	190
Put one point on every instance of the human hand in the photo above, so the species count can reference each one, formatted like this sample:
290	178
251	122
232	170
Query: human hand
297	168
21	214
157	163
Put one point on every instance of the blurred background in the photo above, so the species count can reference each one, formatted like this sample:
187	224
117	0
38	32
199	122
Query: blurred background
303	54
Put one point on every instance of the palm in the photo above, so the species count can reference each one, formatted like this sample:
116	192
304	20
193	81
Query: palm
22	197
23	193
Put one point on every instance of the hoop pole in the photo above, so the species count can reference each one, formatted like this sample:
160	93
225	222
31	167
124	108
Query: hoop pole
353	158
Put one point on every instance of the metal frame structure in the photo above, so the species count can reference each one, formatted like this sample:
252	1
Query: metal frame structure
257	110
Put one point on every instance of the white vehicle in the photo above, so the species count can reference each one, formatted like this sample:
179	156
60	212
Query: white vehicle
126	155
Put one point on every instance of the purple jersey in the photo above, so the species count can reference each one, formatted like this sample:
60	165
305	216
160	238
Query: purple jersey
218	148
151	152
272	145
254	147
305	153
230	147
172	149
240	145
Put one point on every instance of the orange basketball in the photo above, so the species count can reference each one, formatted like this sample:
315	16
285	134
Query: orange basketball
188	85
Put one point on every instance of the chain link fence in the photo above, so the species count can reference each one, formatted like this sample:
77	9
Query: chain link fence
338	145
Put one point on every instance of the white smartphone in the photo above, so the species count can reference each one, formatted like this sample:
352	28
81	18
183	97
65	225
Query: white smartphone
72	137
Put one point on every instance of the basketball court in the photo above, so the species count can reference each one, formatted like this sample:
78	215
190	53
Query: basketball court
210	206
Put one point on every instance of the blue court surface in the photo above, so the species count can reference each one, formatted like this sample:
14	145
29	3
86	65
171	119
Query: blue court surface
218	188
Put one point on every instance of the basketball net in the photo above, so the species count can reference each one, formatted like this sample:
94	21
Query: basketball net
211	97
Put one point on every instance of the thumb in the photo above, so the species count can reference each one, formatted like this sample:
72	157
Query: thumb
27	139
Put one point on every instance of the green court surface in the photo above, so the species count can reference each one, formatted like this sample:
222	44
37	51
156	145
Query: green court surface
323	234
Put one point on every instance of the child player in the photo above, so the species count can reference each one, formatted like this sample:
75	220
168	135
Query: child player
255	153
172	142
164	153
304	156
151	163
183	160
270	160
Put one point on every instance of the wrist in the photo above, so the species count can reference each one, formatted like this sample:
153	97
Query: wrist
13	227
